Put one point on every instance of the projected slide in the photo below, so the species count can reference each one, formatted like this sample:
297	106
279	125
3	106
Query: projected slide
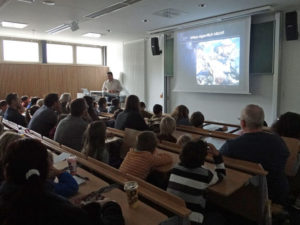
218	62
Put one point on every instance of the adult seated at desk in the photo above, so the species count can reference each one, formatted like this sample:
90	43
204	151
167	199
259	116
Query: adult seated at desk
111	87
70	130
45	118
3	107
140	161
167	128
189	179
257	146
25	101
181	115
131	117
12	113
25	199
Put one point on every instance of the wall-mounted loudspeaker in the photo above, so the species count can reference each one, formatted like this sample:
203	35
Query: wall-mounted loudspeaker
291	26
155	46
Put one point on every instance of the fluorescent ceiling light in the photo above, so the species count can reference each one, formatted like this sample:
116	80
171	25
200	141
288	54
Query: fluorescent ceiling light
92	35
59	28
13	25
27	1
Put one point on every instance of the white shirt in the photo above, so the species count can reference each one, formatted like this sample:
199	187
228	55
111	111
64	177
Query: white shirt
113	85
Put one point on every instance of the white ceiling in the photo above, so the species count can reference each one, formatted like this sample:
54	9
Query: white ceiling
125	25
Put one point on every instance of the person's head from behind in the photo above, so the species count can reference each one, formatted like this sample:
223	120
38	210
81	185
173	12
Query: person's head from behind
183	139
115	102
94	137
52	101
157	110
167	125
65	98
5	139
34	100
132	103
110	76
102	103
78	107
252	118
13	100
89	100
288	125
142	106
3	105
197	119
33	109
193	154
25	100
40	102
180	112
146	141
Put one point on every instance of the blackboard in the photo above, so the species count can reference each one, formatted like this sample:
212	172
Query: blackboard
262	48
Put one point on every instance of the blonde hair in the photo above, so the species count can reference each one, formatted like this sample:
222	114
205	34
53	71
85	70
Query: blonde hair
40	102
65	98
183	139
167	125
5	139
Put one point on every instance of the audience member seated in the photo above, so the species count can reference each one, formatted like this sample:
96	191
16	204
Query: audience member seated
140	161
3	107
45	118
66	185
25	101
65	100
91	111
189	179
111	122
5	139
25	198
33	102
155	120
197	119
52	131
102	105
12	113
40	102
181	115
131	117
257	146
115	105
167	128
183	139
288	125
70	130
143	112
94	141
30	112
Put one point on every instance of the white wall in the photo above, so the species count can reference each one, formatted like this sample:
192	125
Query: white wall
154	75
290	75
134	68
115	58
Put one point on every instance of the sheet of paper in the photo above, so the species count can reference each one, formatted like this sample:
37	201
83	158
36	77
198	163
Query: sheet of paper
79	180
63	156
217	142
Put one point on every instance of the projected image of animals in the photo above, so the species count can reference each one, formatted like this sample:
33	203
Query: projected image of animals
218	62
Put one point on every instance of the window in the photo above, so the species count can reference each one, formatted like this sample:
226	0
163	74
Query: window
59	53
89	55
22	51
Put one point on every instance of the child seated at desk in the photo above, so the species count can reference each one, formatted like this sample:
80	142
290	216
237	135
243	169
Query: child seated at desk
66	185
167	128
140	161
155	120
102	105
189	179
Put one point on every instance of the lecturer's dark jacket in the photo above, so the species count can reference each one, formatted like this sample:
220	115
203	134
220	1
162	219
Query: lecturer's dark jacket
132	120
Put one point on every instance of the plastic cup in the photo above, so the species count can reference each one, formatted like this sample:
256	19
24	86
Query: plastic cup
131	189
72	162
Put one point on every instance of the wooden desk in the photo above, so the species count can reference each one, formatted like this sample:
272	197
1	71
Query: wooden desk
178	133
233	181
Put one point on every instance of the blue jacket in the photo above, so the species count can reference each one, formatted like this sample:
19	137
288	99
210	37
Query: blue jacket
66	186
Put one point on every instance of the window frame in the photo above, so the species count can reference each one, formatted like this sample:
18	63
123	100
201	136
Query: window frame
90	46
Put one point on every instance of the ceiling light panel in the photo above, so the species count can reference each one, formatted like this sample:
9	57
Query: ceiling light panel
92	35
59	28
13	25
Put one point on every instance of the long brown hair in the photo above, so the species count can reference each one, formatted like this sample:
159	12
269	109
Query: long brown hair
180	112
132	103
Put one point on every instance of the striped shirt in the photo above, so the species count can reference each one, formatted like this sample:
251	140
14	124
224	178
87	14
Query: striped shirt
190	185
140	163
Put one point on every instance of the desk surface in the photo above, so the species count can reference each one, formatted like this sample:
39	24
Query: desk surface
233	181
132	216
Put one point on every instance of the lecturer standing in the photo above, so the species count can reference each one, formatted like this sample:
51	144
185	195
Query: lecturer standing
111	87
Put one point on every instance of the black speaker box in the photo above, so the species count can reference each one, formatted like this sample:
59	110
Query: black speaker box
155	46
291	26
